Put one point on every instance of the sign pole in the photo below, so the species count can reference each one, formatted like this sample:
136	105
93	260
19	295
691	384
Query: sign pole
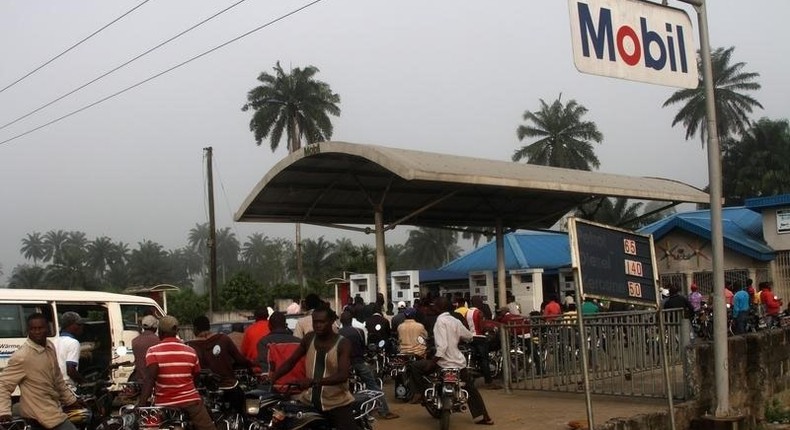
584	349
720	359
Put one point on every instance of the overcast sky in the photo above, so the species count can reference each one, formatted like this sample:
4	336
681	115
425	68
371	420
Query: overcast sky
449	76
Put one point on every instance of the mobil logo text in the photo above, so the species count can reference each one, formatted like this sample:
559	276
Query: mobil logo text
634	40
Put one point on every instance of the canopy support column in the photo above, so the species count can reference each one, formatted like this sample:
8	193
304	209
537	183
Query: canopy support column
381	258
500	264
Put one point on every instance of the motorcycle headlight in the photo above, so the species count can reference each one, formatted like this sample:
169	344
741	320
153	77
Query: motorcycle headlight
253	406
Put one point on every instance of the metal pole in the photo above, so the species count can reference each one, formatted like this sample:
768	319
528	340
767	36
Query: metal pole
381	258
662	344
504	339
299	261
583	347
721	362
500	264
212	236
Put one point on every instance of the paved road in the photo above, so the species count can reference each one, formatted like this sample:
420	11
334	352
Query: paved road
523	410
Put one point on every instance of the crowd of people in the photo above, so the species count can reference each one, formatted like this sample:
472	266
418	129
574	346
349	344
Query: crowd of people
317	357
742	299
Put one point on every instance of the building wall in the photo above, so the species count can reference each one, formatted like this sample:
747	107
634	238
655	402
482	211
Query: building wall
683	258
681	252
777	241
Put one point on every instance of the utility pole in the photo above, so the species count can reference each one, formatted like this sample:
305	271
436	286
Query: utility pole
212	236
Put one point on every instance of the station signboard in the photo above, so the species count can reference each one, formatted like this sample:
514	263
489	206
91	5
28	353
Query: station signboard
635	40
613	264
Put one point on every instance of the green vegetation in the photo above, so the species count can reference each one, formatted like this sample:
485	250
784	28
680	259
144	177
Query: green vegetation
776	412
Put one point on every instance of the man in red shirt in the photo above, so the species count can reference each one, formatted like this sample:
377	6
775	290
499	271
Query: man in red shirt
769	301
254	333
172	366
552	311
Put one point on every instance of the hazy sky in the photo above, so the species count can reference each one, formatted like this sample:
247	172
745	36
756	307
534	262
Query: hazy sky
449	76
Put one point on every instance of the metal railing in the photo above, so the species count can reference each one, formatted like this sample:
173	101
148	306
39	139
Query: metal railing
623	351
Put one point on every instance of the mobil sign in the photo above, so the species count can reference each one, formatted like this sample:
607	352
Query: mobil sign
635	40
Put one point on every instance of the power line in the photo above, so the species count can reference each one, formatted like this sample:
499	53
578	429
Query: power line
179	65
102	76
73	46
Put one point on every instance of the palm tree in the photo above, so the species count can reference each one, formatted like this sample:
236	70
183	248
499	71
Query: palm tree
26	276
99	252
227	248
756	165
254	250
198	239
295	104
69	270
33	247
564	139
53	243
732	106
317	255
149	265
429	248
611	211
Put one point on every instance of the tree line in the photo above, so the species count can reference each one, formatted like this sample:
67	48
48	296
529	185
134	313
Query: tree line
252	272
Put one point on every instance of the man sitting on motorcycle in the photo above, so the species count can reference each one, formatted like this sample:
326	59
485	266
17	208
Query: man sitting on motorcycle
448	331
327	363
172	367
34	369
218	353
409	333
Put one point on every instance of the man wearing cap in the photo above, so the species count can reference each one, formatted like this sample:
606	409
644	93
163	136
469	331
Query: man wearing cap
409	333
33	367
68	347
172	367
140	344
399	317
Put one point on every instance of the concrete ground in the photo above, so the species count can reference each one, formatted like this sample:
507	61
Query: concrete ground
523	410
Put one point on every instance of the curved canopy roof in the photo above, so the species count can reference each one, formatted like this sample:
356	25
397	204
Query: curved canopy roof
339	182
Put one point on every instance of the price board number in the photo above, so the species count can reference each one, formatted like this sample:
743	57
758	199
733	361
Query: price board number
634	289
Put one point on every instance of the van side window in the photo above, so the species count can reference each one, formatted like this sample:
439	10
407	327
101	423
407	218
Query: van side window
13	318
133	314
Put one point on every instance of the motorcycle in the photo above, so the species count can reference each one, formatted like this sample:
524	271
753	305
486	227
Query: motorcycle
702	322
270	411
147	418
398	366
377	358
445	396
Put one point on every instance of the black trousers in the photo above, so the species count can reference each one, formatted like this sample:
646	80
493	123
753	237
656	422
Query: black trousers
480	347
342	417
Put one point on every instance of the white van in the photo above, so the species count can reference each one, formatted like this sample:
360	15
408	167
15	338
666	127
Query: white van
112	321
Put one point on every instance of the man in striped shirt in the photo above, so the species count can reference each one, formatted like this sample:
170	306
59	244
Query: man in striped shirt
172	367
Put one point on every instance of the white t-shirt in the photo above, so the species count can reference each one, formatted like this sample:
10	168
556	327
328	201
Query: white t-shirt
68	350
447	332
293	308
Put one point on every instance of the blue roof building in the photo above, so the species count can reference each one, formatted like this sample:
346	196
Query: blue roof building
547	250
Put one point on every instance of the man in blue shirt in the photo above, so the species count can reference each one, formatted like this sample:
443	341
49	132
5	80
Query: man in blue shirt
740	310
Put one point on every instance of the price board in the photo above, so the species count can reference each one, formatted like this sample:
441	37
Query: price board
613	264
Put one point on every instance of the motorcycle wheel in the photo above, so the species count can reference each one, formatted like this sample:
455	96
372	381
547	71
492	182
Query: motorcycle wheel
444	416
112	423
403	391
432	409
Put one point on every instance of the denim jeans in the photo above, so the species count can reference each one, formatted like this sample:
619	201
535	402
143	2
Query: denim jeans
366	376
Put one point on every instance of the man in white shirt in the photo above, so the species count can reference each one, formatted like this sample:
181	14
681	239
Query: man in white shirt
68	347
294	308
448	331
